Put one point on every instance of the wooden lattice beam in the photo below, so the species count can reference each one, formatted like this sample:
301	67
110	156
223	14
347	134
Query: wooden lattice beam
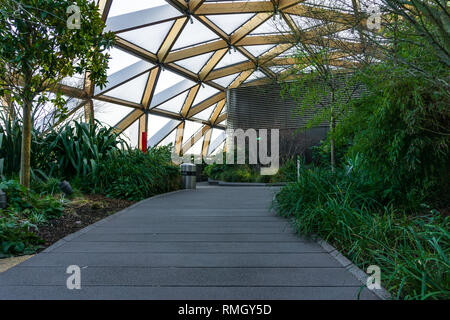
128	120
179	138
206	142
150	87
215	114
194	138
189	100
170	39
206	104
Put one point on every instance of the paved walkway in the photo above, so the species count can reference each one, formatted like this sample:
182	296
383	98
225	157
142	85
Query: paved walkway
210	243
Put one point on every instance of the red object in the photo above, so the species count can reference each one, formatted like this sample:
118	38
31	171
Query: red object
144	142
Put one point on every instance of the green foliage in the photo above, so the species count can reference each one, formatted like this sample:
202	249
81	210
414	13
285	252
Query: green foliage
36	40
25	212
11	131
343	209
428	22
287	172
133	175
250	173
2	160
46	186
38	50
72	150
76	149
16	236
23	202
401	133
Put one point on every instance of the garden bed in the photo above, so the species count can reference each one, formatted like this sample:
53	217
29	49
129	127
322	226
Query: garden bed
78	214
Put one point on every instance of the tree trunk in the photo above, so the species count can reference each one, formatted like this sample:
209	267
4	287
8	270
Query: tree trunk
332	146
25	155
332	126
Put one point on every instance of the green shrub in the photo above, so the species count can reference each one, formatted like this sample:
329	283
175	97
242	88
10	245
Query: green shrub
16	236
411	250
250	173
46	186
11	131
134	175
26	210
23	202
76	150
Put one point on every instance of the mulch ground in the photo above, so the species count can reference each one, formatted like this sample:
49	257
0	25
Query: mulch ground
78	214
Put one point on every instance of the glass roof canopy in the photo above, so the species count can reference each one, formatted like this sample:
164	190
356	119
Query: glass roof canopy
174	60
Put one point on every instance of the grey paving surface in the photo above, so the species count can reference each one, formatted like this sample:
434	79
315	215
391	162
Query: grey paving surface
210	243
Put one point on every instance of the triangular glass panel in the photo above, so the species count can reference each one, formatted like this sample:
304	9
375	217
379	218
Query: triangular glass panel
216	133
349	35
132	90
174	104
272	26
255	76
258	50
278	69
226	81
195	64
124	74
219	149
119	7
170	139
304	23
155	123
119	60
149	38
204	93
110	113
230	58
194	33
205	114
166	80
196	149
190	127
131	134
230	22
291	52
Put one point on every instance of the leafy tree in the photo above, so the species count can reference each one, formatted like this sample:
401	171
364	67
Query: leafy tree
38	50
321	53
411	24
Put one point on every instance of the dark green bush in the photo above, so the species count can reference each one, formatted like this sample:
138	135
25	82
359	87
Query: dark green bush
250	173
411	250
17	237
134	175
23	202
11	130
73	150
76	149
25	211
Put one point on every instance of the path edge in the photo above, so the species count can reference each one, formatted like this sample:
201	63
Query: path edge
78	233
359	274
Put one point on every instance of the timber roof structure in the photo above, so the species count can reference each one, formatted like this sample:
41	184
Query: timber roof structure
173	61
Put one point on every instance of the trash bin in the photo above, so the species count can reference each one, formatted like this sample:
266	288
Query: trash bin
188	176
